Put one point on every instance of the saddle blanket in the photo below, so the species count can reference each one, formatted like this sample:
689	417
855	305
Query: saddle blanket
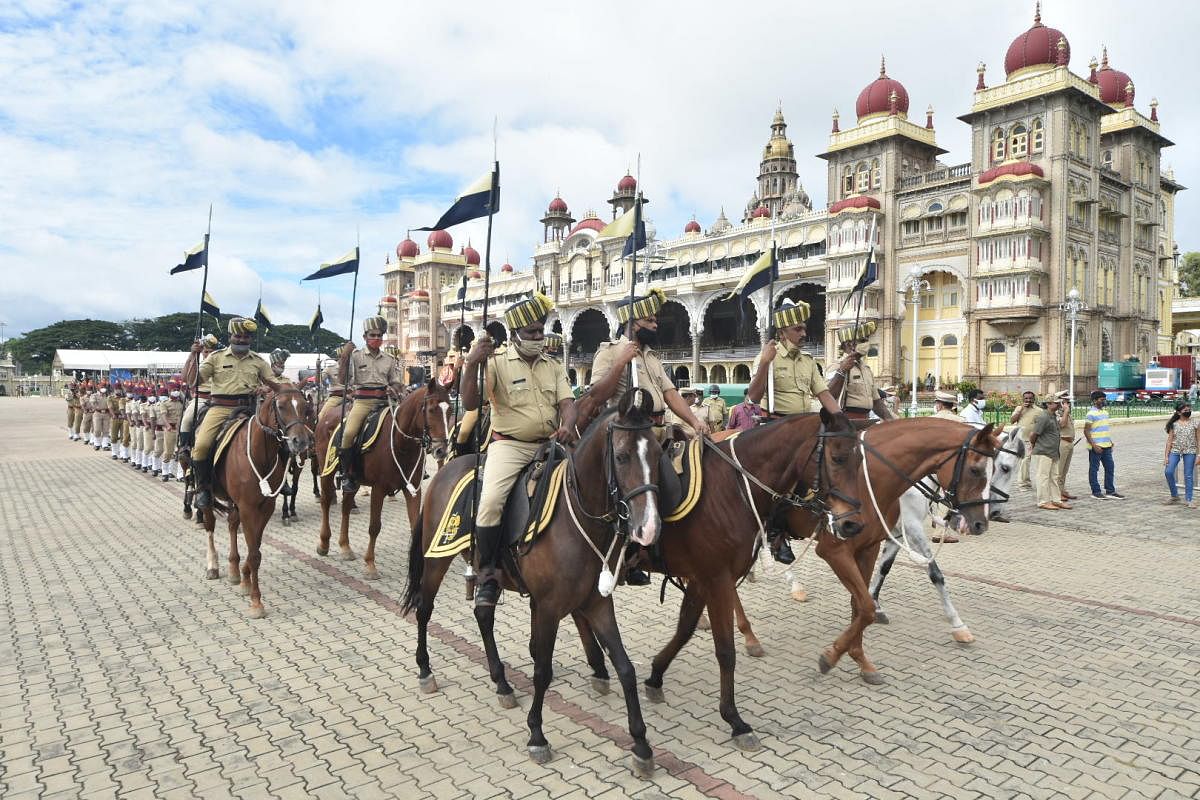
226	434
453	534
367	436
686	461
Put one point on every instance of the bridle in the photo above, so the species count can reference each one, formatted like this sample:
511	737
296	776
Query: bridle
428	443
946	496
617	503
280	432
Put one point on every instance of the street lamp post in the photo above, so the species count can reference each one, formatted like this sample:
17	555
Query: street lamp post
915	284
1073	305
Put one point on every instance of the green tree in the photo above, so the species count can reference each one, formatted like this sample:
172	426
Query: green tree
35	350
1189	275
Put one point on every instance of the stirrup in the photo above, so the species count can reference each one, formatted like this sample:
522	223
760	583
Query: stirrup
781	550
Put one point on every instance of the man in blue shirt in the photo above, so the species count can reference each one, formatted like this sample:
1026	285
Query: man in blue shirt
1100	449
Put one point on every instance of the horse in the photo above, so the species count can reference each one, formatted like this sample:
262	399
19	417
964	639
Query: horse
915	508
561	569
248	478
296	464
414	429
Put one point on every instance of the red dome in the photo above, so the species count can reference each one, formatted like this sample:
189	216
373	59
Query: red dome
692	227
626	184
407	249
1016	169
850	203
507	268
419	293
1112	82
389	300
558	205
587	224
1036	46
441	240
759	213
472	255
876	98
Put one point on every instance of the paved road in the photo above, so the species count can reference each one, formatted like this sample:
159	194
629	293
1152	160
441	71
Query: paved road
123	672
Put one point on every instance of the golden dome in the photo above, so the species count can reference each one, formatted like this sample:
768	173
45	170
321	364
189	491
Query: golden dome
778	147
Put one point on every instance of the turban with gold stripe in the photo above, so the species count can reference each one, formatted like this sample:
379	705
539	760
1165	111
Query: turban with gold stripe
554	343
641	307
856	333
528	311
210	341
790	314
374	324
239	326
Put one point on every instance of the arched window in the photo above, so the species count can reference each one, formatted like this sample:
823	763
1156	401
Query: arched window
998	145
848	180
1106	158
997	362
1037	136
864	177
1018	142
997	347
876	179
949	339
928	341
1031	358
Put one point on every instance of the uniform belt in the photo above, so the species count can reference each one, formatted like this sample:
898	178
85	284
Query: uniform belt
848	409
1067	438
370	394
203	395
857	413
231	400
337	392
500	437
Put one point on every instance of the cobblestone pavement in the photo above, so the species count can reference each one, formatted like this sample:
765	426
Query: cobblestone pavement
124	672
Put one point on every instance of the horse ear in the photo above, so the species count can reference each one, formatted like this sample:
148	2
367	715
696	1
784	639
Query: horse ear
985	434
826	417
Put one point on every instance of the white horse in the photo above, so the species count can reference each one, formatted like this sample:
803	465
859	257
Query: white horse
915	509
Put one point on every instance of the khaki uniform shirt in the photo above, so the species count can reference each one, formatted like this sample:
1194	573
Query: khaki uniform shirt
651	374
1067	431
233	375
374	370
205	383
1027	418
170	413
525	398
331	374
715	406
797	382
114	405
73	400
859	388
946	413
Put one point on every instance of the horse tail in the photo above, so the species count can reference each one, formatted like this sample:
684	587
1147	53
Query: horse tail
416	567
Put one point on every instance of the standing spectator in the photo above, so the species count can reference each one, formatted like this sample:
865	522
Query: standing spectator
745	414
1181	446
1066	434
1096	430
1043	437
714	406
973	409
1023	416
944	405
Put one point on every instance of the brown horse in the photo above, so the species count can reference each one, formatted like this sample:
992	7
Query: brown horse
296	464
561	569
248	477
414	429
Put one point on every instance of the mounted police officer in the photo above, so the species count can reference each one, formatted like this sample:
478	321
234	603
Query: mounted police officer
531	402
640	321
372	375
203	392
279	358
234	374
335	389
853	380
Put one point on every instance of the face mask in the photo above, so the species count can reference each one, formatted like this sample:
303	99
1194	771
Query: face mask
529	349
174	395
980	403
646	337
1185	413
162	398
239	349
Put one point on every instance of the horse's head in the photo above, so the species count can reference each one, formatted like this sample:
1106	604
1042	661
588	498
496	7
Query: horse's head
632	466
964	478
1004	467
838	462
436	410
284	414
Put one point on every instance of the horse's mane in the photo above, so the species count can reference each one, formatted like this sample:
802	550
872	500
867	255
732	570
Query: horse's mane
634	413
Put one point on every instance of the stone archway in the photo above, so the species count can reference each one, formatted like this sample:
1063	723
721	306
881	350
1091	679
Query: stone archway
717	374
588	329
725	330
674	327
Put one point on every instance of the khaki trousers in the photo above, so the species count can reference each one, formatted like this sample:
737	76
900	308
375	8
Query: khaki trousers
1066	449
1023	477
114	429
207	434
71	418
168	439
330	402
125	439
188	420
160	443
505	460
149	440
77	421
355	417
1049	490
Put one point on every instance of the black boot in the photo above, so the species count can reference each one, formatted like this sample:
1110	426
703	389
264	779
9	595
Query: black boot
202	472
489	576
780	549
636	576
346	463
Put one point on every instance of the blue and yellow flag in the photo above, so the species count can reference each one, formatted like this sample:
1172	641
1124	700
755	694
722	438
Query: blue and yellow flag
261	317
479	199
195	258
209	306
629	225
342	266
315	324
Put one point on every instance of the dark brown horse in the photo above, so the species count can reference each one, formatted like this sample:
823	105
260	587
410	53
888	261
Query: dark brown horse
248	477
291	488
562	568
414	429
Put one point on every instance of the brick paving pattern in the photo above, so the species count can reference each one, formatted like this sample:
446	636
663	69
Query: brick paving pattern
124	673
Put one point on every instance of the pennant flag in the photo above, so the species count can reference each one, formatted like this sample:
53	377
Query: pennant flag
342	266
462	290
192	259
261	317
764	270
631	226
209	306
870	270
479	199
317	319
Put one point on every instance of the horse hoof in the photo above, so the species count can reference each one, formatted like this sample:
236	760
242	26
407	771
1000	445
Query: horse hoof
747	742
600	686
370	574
654	694
348	555
872	678
245	587
962	635
507	701
235	577
428	684
703	624
756	650
187	513
540	753
642	767
799	595
824	664
286	522
212	574
322	551
881	617
256	612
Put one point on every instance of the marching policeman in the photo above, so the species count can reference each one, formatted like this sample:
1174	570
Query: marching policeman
170	414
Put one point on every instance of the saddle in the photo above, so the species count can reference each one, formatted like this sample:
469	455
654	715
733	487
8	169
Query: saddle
227	431
680	477
367	436
527	511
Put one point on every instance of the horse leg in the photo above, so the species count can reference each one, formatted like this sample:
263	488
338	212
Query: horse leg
865	560
254	530
431	581
958	629
890	550
604	623
316	481
327	498
544	631
369	571
344	533
595	656
720	610
235	558
212	573
685	626
841	560
485	617
753	646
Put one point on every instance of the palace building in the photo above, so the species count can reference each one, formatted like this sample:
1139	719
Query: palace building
1063	189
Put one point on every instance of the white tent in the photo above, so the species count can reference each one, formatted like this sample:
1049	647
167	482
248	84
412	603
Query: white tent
155	361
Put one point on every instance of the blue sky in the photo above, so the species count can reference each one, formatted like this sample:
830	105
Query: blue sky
303	122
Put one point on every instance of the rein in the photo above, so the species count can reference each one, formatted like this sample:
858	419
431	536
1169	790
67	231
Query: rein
279	433
937	495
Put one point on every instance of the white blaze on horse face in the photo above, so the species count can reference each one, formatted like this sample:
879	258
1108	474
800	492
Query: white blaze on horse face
445	407
647	532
